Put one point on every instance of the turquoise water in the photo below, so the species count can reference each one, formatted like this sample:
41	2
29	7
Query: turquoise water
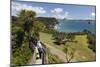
76	25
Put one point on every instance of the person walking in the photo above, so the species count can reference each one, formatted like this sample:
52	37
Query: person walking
40	48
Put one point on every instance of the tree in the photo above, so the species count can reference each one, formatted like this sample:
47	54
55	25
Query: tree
27	17
22	27
70	53
70	36
39	26
59	38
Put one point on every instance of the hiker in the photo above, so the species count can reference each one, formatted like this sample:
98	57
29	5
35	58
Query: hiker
40	48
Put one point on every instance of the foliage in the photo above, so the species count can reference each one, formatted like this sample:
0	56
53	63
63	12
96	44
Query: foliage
50	31
14	18
92	41
59	37
52	58
17	38
22	27
39	26
25	15
62	37
69	51
70	36
48	21
21	56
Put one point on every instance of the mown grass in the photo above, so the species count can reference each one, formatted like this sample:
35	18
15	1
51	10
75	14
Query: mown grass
82	52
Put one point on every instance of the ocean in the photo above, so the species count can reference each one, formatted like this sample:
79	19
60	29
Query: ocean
76	25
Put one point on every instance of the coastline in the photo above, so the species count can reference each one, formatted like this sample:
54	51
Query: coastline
72	26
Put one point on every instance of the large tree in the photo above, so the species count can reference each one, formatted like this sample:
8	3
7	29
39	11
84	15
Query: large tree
22	27
28	18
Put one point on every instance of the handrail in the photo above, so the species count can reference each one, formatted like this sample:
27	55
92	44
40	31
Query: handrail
33	45
44	54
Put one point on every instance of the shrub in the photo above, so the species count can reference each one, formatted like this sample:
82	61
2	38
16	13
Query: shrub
21	56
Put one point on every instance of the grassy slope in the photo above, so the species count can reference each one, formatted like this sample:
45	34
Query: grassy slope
83	53
47	38
52	56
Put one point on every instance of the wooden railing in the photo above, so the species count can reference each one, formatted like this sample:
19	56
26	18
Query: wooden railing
44	58
44	54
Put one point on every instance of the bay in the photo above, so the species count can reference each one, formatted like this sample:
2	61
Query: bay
76	25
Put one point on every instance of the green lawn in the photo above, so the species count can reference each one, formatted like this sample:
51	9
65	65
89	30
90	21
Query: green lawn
82	53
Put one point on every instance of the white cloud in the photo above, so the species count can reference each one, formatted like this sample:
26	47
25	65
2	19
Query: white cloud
66	15
57	10
59	13
39	10
17	7
58	16
93	14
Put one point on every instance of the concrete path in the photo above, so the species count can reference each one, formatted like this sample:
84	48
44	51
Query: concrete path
35	58
38	61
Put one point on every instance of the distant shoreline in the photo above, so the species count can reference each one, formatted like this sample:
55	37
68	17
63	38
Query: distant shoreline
75	26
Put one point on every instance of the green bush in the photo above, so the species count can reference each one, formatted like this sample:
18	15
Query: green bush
53	58
21	56
92	41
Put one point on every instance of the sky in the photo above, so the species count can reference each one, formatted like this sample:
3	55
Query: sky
59	11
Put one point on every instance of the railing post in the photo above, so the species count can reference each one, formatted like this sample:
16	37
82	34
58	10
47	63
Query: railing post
44	60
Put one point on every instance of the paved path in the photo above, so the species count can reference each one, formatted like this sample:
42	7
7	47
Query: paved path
38	61
35	58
